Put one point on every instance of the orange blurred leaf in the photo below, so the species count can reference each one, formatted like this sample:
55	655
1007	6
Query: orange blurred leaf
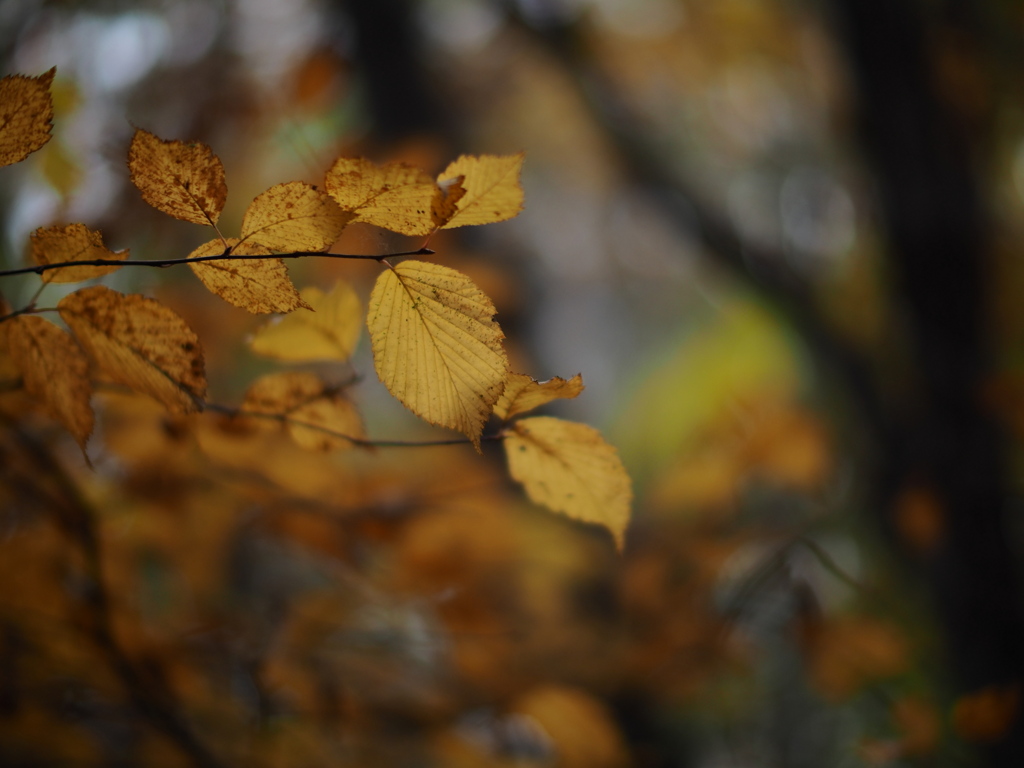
26	115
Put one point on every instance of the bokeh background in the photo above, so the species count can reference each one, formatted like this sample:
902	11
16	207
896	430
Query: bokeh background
778	238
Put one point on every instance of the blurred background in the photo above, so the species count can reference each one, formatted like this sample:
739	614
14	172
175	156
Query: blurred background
778	238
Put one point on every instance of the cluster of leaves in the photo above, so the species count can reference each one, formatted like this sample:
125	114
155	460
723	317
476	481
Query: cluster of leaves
436	345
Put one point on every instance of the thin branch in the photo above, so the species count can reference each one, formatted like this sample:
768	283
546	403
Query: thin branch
164	263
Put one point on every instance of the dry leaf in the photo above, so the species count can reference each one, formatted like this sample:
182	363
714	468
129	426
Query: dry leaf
329	332
257	285
26	115
305	399
55	371
524	393
988	714
183	179
492	189
294	217
140	343
395	196
75	242
569	468
436	346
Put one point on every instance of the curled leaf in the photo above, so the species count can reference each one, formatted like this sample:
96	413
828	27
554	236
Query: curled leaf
569	468
524	393
394	196
257	285
26	115
75	242
436	345
140	343
294	216
54	370
328	330
492	189
182	179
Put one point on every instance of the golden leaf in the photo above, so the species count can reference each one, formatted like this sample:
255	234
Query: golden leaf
75	242
306	400
394	196
492	189
54	370
583	731
436	346
182	179
524	393
140	343
26	115
294	217
256	285
569	468
329	332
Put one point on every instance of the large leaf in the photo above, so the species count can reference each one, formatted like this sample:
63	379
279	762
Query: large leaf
492	191
328	330
257	285
569	468
294	216
436	345
26	115
75	242
140	343
182	179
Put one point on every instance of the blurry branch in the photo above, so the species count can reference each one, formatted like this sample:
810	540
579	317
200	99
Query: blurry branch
45	482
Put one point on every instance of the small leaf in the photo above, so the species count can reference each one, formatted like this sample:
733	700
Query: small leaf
140	343
492	189
75	242
395	196
524	393
182	179
294	217
569	468
436	346
305	399
257	285
329	332
26	115
55	371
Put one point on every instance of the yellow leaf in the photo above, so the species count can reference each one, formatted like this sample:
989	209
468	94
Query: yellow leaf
395	196
306	400
329	332
492	189
436	346
75	242
569	468
294	217
140	343
257	285
55	371
524	393
582	729
26	115
182	179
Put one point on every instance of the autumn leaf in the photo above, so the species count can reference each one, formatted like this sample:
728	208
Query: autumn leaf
75	242
140	343
394	196
54	370
436	346
257	285
26	115
524	393
294	217
492	189
182	179
569	468
306	400
328	330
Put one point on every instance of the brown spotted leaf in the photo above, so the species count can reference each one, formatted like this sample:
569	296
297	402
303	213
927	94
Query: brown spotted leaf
492	191
394	196
569	468
182	179
55	371
140	343
294	216
257	285
26	115
524	393
328	330
75	242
